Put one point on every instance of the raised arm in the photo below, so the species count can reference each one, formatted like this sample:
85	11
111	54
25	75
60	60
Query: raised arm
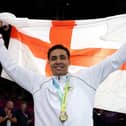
26	79
97	73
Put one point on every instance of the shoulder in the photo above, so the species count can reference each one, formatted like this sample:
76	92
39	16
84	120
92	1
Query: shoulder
44	83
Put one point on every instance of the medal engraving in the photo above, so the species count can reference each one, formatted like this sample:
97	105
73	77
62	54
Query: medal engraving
63	116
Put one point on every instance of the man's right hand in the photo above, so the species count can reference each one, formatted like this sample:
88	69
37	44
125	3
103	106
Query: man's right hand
4	25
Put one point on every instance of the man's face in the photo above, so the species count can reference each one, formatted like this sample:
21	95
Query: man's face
59	62
23	107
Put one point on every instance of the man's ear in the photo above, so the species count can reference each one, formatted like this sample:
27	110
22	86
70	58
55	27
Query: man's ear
48	69
48	62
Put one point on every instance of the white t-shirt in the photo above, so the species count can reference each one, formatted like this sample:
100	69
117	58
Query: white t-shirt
80	99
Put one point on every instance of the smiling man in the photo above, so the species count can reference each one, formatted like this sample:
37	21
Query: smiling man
63	99
59	60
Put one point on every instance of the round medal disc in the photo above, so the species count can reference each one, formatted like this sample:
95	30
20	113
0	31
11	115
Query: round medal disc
63	116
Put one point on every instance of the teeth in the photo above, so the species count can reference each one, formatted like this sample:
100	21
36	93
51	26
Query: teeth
58	67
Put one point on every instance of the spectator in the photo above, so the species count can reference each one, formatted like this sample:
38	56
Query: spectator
23	116
7	114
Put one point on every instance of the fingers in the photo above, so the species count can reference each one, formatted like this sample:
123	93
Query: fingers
4	25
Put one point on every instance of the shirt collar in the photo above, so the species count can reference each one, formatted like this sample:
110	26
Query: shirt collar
62	78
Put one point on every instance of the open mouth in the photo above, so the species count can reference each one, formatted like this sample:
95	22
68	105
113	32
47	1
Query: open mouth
59	67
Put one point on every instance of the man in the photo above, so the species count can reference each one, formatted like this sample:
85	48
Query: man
63	99
23	116
7	115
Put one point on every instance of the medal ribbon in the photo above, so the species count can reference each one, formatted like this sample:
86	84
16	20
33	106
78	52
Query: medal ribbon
66	90
62	95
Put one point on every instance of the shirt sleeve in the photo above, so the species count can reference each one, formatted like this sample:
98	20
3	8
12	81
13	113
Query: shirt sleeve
25	78
96	74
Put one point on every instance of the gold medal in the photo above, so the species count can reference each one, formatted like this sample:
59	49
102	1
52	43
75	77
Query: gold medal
63	116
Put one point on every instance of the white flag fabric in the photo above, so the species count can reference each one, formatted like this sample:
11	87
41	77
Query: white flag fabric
89	41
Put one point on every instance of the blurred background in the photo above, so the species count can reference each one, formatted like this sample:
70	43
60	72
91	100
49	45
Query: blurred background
60	10
63	9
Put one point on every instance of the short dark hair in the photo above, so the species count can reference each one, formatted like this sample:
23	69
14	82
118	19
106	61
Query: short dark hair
58	46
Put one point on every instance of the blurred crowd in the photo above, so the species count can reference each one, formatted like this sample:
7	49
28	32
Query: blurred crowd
108	118
11	115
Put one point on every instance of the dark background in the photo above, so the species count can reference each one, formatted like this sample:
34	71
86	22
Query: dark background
63	9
